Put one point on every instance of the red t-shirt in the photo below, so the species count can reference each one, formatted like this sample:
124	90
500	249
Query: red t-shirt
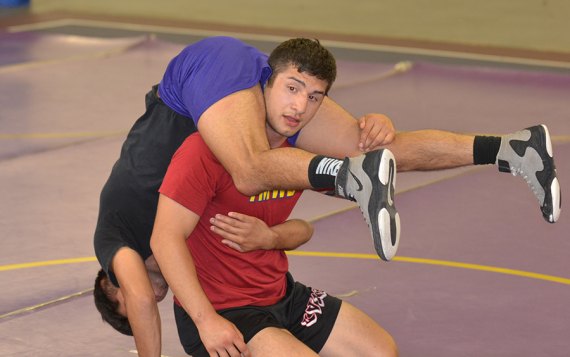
197	181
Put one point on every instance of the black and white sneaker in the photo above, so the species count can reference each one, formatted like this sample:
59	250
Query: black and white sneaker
369	180
528	153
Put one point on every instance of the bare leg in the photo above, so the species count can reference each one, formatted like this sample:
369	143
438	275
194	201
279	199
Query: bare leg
356	334
425	150
276	342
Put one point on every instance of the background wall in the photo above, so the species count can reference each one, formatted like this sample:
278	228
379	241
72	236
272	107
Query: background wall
542	25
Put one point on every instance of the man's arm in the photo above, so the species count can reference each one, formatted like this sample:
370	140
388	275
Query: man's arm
292	234
172	226
246	233
140	303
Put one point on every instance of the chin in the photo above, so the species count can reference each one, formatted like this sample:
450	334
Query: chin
289	132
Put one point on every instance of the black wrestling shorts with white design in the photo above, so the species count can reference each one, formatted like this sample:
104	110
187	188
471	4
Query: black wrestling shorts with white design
309	314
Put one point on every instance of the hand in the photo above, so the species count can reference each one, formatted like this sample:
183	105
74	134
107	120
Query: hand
222	338
375	130
243	233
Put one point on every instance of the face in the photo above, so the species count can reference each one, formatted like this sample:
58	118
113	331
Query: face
292	101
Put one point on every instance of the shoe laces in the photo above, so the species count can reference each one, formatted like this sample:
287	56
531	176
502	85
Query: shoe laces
517	171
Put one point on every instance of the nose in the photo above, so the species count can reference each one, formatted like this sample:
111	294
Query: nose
300	104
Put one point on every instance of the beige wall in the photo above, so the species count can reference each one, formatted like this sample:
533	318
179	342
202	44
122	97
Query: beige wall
527	24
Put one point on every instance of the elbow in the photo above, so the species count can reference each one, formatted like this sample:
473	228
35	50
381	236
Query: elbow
310	230
155	246
147	300
140	301
306	233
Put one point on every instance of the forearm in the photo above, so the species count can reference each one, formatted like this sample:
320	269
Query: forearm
139	301
292	234
178	268
145	323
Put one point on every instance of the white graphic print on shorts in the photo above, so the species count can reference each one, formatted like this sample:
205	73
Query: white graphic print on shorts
314	307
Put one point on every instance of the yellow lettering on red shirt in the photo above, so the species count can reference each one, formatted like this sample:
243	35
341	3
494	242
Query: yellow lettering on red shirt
271	195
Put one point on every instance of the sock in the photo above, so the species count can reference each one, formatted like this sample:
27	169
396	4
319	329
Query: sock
485	149
323	171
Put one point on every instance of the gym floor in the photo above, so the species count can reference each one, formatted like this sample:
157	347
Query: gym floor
478	272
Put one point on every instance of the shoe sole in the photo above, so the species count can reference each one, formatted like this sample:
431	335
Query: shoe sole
386	227
552	199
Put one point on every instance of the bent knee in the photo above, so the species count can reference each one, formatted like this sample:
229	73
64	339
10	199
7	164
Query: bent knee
247	185
249	180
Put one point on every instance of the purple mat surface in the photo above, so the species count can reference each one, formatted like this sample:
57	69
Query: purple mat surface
464	99
25	47
486	218
62	123
58	104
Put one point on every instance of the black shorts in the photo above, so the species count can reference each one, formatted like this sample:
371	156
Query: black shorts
309	314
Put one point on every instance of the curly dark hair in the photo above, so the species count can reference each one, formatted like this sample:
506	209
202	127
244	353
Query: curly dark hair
307	56
108	307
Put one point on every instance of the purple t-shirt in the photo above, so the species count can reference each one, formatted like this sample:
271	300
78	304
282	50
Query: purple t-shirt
209	70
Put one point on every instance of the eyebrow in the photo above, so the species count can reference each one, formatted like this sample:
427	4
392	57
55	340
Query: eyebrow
305	85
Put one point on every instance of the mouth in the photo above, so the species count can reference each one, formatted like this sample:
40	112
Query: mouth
292	121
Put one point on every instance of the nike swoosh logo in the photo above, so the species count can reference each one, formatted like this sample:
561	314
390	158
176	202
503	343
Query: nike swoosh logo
360	187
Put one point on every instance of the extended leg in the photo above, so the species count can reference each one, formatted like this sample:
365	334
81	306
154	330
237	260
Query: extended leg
425	150
526	153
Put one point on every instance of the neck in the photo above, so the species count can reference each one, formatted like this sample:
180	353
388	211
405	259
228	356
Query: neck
275	139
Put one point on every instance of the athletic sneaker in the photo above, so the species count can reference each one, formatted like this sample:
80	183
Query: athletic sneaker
369	180
528	153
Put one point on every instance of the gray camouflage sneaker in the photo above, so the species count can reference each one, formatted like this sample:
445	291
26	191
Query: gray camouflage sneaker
369	180
528	153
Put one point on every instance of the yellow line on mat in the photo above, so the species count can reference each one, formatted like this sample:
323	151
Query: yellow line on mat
525	274
446	263
46	263
520	273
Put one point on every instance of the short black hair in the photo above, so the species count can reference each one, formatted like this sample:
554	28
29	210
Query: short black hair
306	55
108	307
